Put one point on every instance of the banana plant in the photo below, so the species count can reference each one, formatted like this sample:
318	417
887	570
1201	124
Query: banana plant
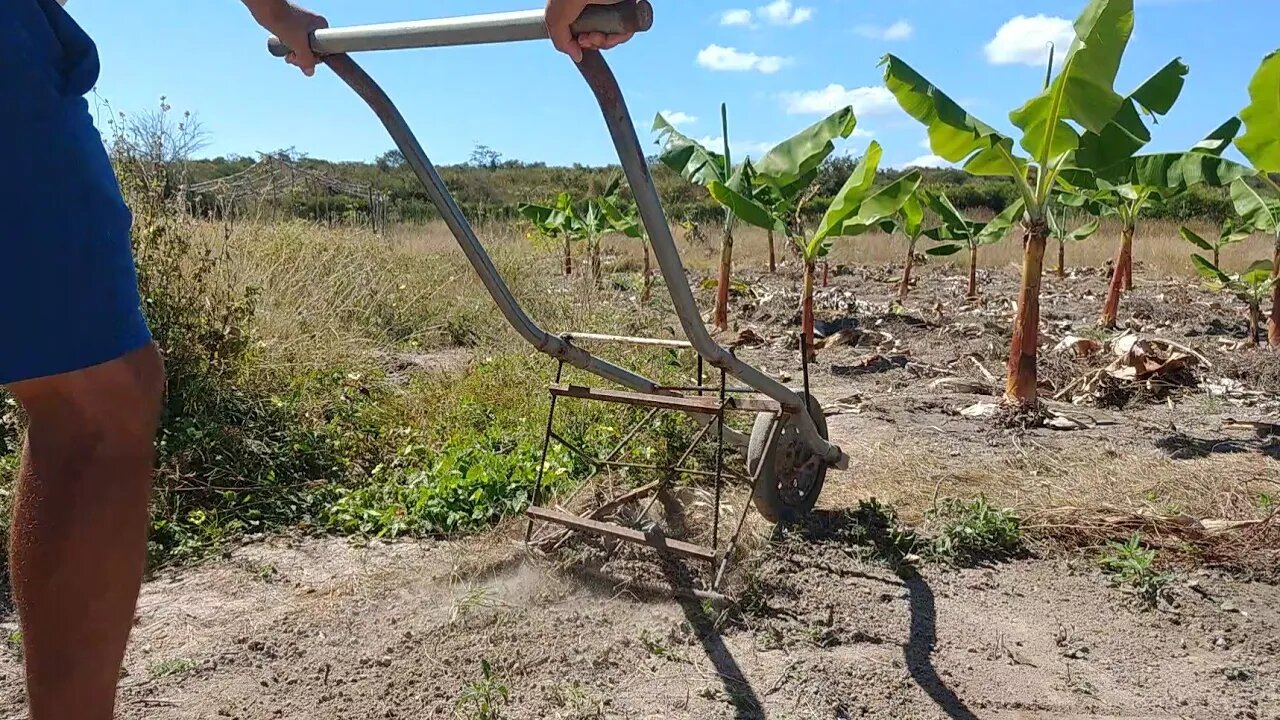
1230	233
785	176
910	221
556	223
776	182
702	166
1127	188
623	218
1066	224
1260	144
1251	286
958	232
1078	121
594	226
857	209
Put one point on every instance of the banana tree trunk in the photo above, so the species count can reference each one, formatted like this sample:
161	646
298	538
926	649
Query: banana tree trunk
1123	268
1020	389
1255	323
568	257
973	272
722	288
1062	258
1217	253
826	274
646	292
773	256
1128	265
904	287
806	310
596	275
1273	325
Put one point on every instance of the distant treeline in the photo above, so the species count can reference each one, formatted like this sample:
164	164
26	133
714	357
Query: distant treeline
491	188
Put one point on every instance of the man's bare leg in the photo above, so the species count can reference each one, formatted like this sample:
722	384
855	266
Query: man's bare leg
80	528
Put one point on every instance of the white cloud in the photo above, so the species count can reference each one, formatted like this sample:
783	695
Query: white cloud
736	17
924	143
864	100
716	57
901	30
1024	40
927	161
860	133
782	12
677	118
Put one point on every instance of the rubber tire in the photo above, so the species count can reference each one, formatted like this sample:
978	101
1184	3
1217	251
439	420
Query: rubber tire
765	494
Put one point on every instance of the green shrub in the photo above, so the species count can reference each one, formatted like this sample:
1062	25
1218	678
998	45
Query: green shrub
465	486
1131	565
975	531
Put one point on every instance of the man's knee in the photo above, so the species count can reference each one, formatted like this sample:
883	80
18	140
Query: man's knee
118	402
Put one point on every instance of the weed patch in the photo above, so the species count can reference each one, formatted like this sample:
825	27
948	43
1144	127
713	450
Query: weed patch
974	532
1131	566
483	699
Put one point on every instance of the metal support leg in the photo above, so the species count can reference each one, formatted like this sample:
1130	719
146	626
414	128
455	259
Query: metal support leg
546	445
715	518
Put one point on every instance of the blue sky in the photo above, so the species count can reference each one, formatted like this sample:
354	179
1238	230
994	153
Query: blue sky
780	65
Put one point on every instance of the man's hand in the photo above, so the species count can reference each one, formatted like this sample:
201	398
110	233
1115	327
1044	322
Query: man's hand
560	16
293	25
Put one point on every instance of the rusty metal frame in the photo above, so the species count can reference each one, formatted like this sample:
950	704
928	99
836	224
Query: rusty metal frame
592	523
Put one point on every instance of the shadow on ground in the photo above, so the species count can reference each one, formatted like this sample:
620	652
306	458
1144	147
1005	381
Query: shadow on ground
1180	446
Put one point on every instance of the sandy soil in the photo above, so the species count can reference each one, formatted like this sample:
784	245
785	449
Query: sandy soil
832	623
319	629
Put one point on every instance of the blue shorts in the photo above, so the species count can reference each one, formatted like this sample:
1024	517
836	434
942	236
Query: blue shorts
68	287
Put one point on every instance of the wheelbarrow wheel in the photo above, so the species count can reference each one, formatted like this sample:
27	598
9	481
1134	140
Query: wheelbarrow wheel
790	475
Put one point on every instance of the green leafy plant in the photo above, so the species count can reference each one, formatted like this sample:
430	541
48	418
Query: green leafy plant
960	233
483	699
1078	121
1067	226
1251	286
910	221
1260	144
702	166
1131	565
856	209
13	643
169	668
975	531
557	223
624	219
769	194
1230	234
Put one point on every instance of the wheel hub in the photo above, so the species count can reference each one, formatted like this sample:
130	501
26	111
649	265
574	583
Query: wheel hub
796	467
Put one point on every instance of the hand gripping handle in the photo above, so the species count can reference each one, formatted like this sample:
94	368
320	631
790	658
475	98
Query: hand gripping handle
628	16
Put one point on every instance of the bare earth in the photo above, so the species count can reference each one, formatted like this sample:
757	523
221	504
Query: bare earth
323	630
832	623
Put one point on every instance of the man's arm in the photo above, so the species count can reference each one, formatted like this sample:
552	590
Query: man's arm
293	25
560	16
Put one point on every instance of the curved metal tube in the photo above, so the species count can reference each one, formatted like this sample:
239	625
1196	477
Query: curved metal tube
609	94
360	81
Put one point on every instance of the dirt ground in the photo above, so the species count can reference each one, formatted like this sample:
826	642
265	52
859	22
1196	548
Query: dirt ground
833	622
320	629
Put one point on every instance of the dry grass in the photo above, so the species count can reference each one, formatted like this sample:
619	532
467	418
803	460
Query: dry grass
1023	474
1157	247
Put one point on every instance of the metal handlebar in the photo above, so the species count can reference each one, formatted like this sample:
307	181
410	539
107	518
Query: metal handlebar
629	16
333	45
